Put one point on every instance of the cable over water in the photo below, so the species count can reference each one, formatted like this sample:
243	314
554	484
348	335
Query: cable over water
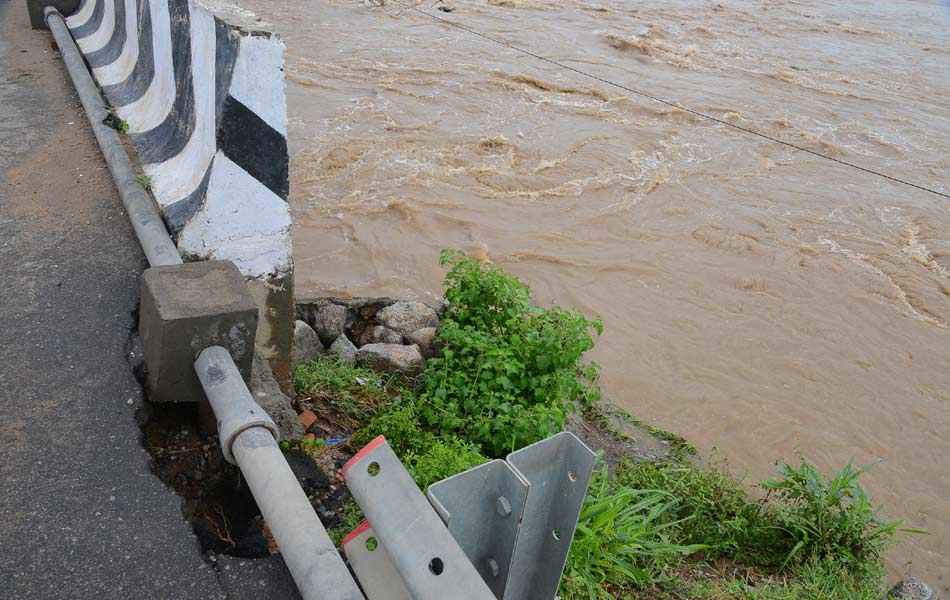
668	102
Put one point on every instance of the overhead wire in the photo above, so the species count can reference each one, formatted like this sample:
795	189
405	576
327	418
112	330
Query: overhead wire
670	103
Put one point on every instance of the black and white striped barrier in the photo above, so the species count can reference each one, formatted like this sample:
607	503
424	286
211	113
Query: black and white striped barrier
200	84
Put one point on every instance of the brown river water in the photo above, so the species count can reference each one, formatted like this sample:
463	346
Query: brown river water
755	299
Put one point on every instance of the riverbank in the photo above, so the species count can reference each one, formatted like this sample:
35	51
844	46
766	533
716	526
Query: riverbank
659	520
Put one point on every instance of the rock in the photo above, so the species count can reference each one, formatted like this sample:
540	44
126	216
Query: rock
344	349
329	321
912	589
425	339
268	396
307	345
406	317
394	358
380	335
307	418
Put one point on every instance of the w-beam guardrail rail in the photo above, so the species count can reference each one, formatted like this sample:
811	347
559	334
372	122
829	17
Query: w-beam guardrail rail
514	520
426	556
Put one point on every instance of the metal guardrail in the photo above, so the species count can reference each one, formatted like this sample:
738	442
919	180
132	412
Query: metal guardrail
428	559
514	520
249	440
149	227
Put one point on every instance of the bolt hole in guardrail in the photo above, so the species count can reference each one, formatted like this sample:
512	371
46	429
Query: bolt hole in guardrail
436	566
373	469
572	475
556	534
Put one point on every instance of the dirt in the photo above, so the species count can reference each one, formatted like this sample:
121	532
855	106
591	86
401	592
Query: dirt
215	498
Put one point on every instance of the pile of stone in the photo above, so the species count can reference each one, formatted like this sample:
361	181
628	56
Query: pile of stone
389	335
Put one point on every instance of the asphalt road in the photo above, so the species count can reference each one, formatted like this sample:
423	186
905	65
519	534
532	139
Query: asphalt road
81	516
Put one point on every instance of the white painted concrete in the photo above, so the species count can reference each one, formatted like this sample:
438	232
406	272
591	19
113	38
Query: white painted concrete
258	80
241	221
120	69
151	109
98	40
179	176
82	15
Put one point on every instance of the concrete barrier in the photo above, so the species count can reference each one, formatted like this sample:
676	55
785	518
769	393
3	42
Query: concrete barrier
200	84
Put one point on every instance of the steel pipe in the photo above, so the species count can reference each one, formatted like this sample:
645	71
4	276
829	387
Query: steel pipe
249	439
149	227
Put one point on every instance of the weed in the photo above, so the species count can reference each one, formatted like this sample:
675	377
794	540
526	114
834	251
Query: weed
310	444
442	458
723	516
624	536
427	457
122	127
350	518
401	428
814	579
510	370
145	181
357	392
830	517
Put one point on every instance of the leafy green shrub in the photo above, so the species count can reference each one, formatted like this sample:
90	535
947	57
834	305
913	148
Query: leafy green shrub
624	537
442	458
401	428
510	370
829	517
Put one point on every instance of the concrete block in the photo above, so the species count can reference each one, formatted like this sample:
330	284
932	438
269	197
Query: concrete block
185	309
36	8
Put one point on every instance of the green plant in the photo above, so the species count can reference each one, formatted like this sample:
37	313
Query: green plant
723	516
442	458
351	516
401	428
510	371
122	127
624	537
813	579
145	181
309	444
358	392
829	517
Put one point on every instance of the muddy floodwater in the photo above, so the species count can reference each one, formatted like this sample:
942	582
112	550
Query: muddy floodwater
754	298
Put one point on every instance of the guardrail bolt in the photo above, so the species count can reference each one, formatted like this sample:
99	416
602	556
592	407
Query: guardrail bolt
493	567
